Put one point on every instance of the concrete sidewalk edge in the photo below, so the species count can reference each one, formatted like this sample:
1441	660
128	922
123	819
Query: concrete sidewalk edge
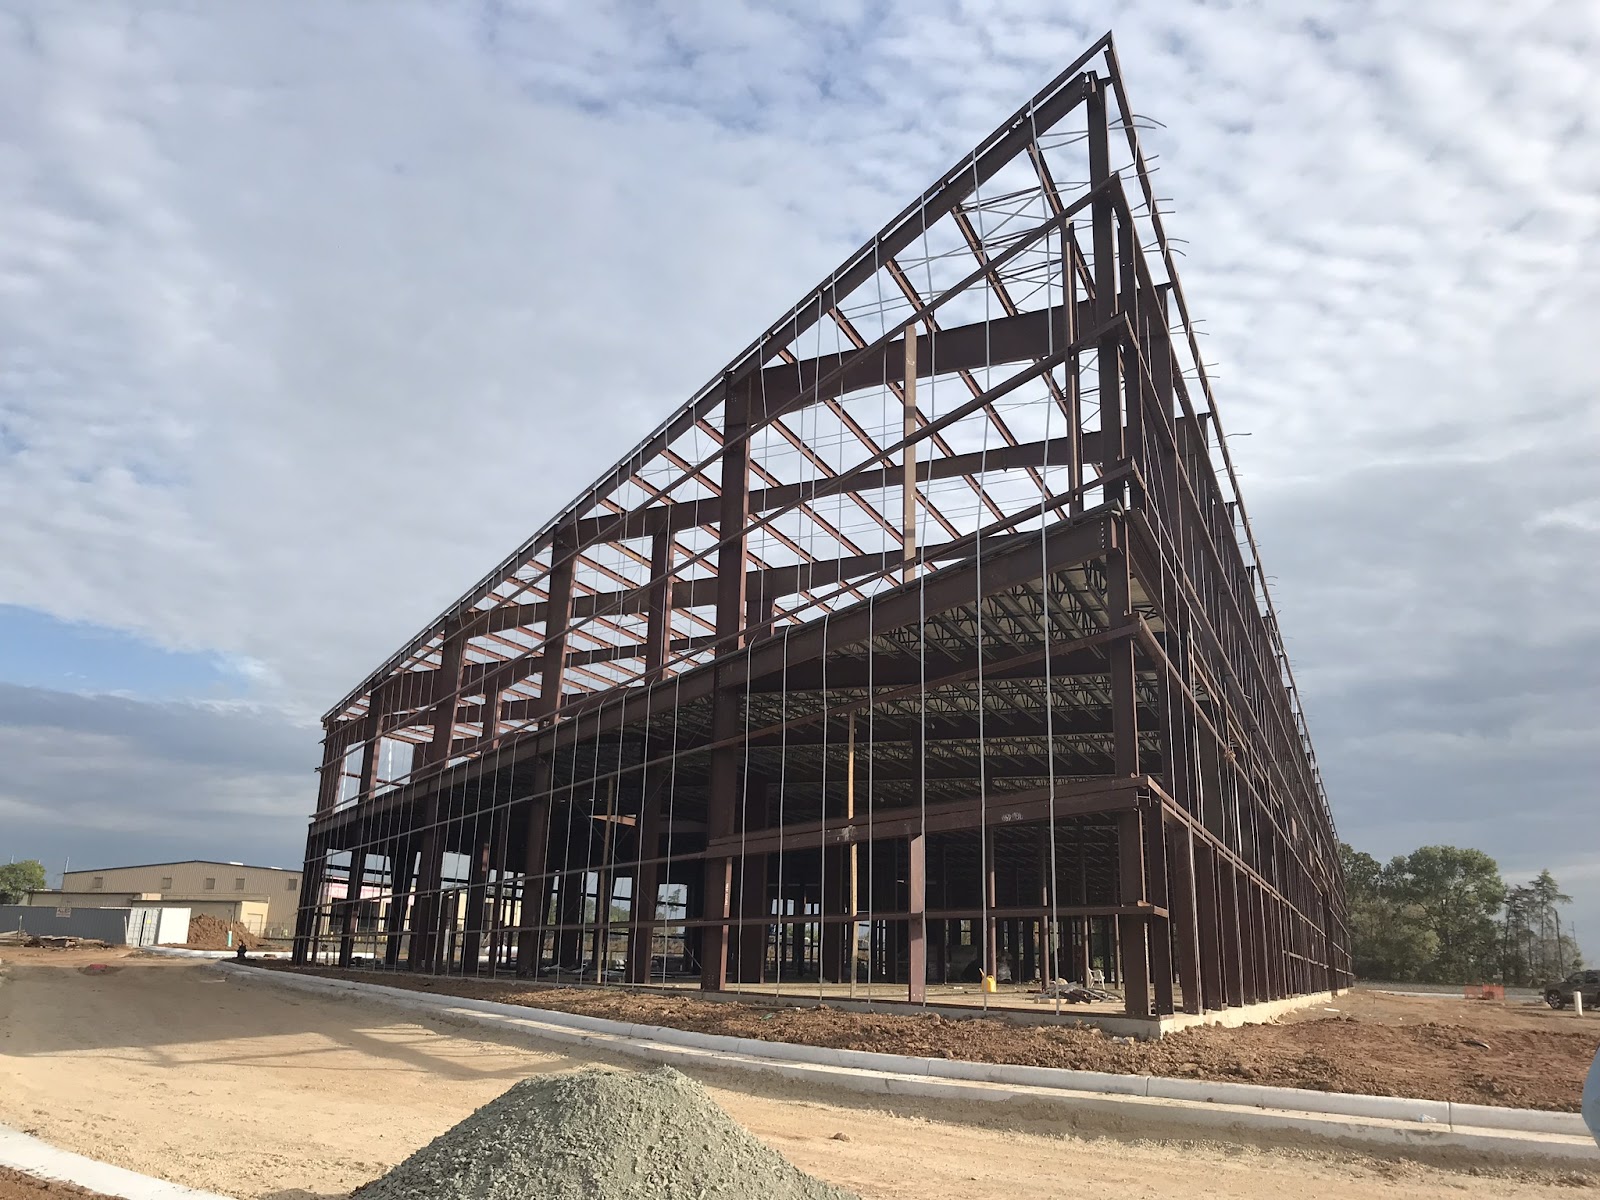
26	1153
1522	1133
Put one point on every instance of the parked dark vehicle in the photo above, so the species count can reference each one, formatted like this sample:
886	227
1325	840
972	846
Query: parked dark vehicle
1559	995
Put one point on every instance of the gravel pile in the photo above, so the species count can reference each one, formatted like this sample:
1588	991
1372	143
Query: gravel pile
599	1135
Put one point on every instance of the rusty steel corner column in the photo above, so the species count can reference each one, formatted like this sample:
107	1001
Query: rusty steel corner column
1185	921
917	921
1158	892
329	774
1104	241
1131	928
646	890
307	913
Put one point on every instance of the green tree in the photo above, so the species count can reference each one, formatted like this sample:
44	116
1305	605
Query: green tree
1456	895
1517	938
17	879
1389	939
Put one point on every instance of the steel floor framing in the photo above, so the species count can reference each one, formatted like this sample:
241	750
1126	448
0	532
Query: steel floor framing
887	658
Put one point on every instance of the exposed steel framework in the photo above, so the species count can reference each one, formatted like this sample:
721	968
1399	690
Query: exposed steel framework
929	636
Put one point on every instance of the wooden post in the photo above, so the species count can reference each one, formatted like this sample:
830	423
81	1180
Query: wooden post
917	921
602	890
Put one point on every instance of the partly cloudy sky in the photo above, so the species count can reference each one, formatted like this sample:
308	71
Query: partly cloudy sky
309	312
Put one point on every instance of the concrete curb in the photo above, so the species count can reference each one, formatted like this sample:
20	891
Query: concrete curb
1211	1106
22	1152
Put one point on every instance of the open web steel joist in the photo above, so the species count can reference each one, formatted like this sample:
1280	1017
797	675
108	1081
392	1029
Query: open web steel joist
928	640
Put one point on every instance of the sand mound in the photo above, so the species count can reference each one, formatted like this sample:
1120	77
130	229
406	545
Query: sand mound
211	933
599	1135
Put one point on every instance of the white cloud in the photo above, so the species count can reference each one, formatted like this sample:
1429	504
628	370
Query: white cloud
309	317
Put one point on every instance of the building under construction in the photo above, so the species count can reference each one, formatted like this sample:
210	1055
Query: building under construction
927	645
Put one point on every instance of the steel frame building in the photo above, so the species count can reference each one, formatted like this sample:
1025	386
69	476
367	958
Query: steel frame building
928	638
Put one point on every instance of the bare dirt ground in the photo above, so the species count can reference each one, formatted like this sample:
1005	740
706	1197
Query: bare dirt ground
165	1067
1371	1043
24	1187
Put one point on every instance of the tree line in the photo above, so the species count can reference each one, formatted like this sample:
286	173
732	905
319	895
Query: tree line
1443	914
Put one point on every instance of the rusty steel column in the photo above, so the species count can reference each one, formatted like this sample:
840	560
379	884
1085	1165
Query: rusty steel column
1182	902
424	911
535	888
723	790
1232	950
330	773
658	626
750	938
306	913
1131	928
558	617
477	901
352	899
754	911
1213	996
1157	891
646	889
1108	352
400	878
917	921
447	697
908	480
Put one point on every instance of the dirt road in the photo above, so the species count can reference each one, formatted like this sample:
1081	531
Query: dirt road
167	1068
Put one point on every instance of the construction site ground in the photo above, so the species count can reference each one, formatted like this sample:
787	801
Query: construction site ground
16	1186
1518	1055
166	1067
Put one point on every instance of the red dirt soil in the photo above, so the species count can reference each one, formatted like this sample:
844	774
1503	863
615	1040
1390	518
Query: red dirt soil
210	933
1375	1044
16	1186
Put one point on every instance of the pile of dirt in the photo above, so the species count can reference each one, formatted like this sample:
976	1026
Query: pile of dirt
14	1185
209	933
599	1135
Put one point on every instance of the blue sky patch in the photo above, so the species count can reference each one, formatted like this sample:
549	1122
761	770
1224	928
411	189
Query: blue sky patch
74	656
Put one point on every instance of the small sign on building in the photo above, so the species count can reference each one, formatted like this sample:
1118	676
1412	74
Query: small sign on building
63	912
